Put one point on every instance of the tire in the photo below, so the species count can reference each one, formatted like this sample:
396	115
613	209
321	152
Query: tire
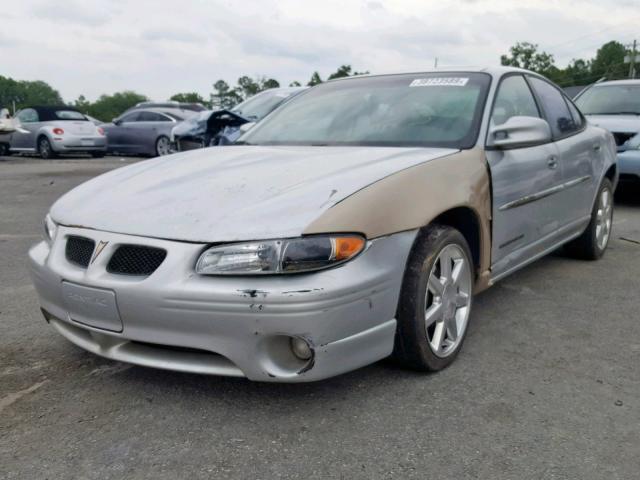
97	154
593	242
4	150
45	150
163	146
435	302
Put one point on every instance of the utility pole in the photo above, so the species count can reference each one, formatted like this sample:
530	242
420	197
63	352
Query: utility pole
435	63
632	61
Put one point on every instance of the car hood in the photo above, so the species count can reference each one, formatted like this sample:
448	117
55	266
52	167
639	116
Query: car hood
231	193
616	123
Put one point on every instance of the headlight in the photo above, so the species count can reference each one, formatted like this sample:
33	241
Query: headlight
269	257
50	228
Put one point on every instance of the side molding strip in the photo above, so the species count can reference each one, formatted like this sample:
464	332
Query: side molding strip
544	193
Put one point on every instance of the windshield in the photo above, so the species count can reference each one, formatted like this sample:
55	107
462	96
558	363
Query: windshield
260	105
433	109
69	115
610	99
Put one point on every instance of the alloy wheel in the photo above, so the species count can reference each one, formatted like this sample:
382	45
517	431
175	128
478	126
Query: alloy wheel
448	300
44	148
604	218
163	146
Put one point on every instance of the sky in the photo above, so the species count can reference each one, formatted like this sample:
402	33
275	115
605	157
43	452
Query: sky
162	47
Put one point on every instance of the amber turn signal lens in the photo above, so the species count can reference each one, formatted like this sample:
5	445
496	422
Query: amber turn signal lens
347	247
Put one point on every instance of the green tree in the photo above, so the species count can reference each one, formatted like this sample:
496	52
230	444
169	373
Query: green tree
188	97
266	83
82	104
609	62
248	87
295	83
224	96
526	55
24	93
315	79
112	106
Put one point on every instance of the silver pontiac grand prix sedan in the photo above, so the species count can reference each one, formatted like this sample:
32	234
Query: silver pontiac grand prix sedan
354	223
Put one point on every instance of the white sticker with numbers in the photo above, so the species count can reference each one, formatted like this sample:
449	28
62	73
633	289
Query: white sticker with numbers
440	82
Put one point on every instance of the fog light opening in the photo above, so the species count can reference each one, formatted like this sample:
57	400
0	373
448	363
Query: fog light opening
300	348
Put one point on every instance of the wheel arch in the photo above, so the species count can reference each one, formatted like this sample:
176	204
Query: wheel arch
467	221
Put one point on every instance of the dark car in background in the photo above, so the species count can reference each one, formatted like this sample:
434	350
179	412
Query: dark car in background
144	131
222	127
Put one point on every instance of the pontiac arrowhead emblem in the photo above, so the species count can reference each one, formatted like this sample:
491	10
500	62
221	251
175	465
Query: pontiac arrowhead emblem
98	250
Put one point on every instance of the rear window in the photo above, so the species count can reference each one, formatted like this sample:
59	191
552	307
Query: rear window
69	115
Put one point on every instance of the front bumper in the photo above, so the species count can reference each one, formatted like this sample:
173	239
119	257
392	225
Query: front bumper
629	164
78	143
178	320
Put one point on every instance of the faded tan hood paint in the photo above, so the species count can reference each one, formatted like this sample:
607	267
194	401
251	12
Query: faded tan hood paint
414	197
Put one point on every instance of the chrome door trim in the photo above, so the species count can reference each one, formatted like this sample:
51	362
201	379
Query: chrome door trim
544	193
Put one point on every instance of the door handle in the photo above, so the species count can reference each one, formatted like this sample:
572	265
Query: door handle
552	162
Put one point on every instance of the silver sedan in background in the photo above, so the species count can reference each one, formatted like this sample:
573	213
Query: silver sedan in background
144	131
53	130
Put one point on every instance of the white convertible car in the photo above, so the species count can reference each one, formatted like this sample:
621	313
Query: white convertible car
355	222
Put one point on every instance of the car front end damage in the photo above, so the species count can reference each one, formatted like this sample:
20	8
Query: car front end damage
152	309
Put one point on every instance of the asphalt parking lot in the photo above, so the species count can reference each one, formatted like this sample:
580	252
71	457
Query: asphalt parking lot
546	387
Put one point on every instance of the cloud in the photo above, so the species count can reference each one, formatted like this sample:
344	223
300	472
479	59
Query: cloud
172	35
72	11
160	47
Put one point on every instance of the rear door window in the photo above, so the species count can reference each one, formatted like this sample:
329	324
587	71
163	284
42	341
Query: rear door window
555	108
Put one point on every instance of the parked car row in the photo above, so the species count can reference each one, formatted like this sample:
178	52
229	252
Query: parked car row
356	221
223	127
149	128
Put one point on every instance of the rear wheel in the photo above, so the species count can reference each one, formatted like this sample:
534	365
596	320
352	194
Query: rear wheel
4	150
592	244
435	301
44	149
163	146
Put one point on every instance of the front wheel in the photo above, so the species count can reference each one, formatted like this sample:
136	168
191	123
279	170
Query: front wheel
435	301
592	244
163	146
4	150
45	149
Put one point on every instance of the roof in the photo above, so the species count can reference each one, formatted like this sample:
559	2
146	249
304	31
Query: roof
47	113
628	81
496	71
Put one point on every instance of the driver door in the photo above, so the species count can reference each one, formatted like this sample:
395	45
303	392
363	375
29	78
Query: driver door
522	179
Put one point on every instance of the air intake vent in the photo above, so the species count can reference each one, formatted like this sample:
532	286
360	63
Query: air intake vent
79	250
136	260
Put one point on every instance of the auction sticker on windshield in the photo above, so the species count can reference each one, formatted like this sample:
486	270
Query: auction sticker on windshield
440	82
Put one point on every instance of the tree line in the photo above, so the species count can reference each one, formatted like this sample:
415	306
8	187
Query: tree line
608	63
16	94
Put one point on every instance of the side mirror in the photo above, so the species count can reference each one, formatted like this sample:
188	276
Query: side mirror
245	127
116	121
518	132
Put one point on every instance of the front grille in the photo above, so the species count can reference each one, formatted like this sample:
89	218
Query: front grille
79	250
622	137
136	260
